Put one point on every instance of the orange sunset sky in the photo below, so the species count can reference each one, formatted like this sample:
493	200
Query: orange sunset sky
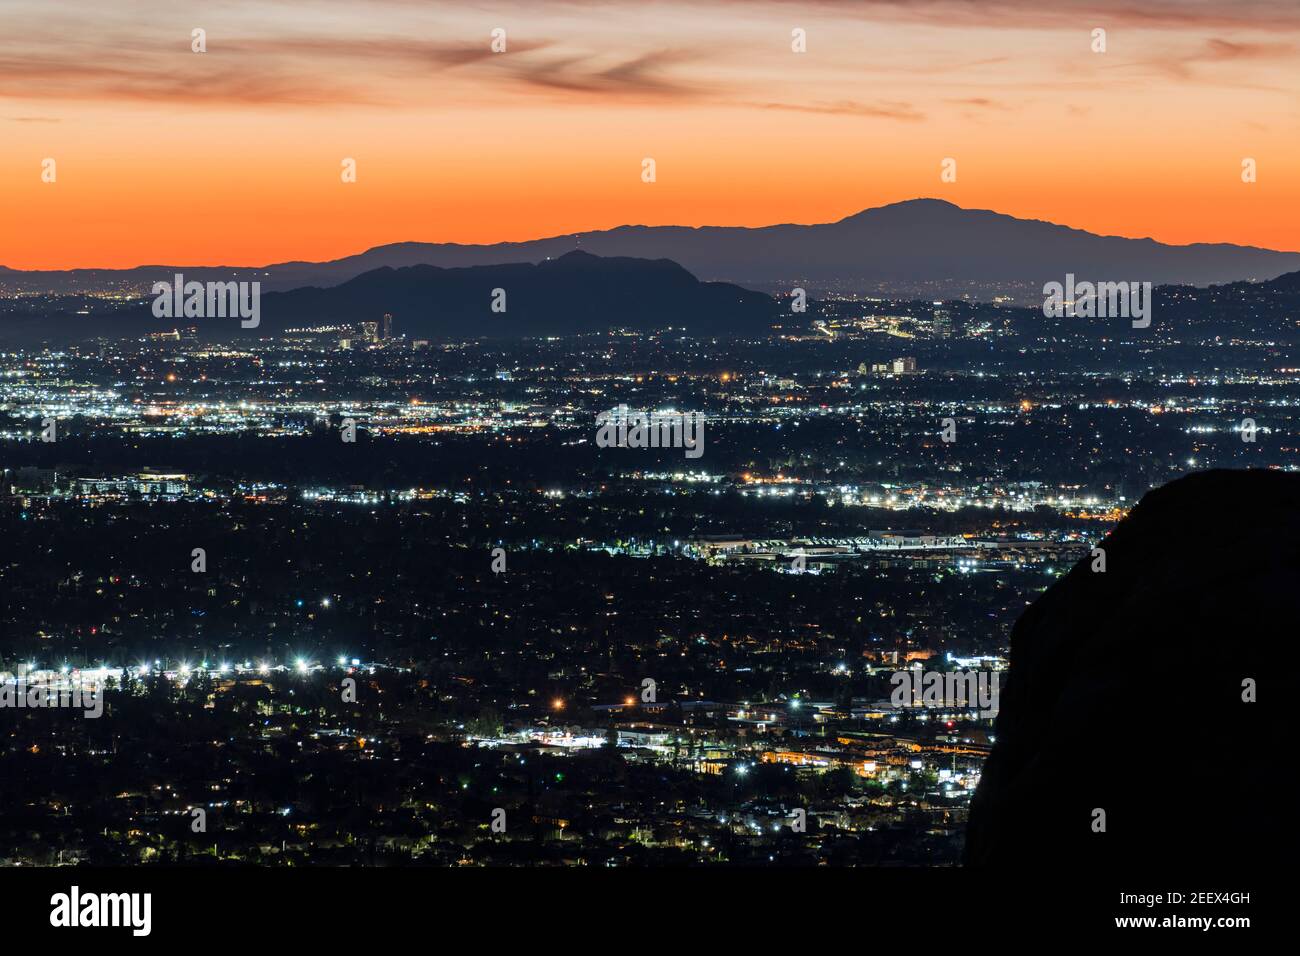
233	156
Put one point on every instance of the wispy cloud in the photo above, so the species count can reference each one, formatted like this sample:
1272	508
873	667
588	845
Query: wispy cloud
895	111
331	53
645	75
980	102
1031	14
1185	63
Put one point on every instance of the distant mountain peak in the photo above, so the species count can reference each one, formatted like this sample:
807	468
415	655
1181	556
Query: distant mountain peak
920	202
924	245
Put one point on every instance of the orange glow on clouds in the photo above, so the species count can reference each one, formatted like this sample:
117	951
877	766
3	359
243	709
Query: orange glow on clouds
233	156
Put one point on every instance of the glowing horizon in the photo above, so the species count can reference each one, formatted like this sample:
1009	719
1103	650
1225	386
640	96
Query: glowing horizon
233	156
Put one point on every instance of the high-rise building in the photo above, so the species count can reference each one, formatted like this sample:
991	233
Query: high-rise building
387	332
942	321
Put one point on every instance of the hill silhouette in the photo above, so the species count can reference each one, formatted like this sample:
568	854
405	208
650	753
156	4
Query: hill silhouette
1125	689
577	292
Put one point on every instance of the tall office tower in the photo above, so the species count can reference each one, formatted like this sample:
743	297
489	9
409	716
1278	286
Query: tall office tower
388	327
942	321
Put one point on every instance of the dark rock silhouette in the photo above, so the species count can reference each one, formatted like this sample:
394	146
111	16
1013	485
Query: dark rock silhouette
1125	690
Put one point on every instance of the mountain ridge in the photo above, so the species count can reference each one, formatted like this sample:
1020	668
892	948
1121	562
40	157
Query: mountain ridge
572	294
925	241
